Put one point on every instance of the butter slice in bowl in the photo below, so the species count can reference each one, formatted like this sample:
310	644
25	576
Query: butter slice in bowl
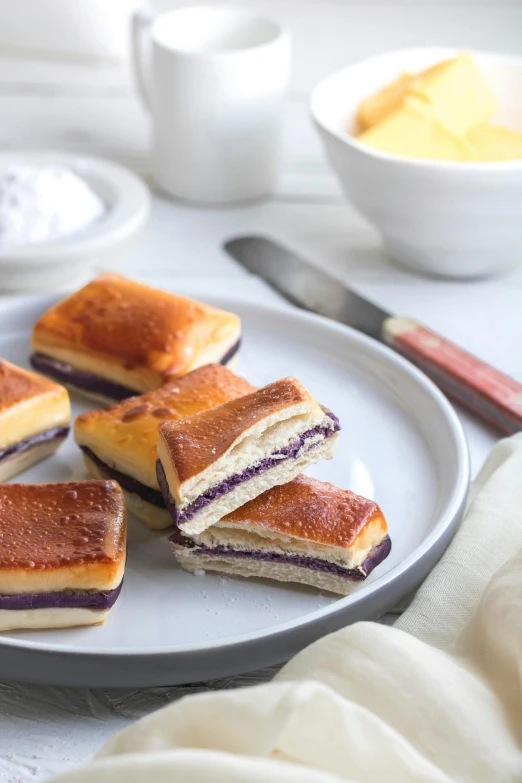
455	91
381	104
438	114
492	142
409	131
456	94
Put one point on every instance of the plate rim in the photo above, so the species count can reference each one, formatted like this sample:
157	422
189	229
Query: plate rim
444	525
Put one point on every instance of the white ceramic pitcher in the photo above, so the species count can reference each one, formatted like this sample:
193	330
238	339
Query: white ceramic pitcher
214	85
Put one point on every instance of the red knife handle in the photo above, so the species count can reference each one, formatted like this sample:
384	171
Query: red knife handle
486	392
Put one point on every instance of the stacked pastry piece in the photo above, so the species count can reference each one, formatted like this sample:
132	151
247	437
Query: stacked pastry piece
304	531
230	480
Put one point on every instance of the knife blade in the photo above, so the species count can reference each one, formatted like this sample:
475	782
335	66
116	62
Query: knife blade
306	285
487	393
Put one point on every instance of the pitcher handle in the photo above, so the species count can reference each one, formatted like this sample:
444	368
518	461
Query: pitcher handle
141	22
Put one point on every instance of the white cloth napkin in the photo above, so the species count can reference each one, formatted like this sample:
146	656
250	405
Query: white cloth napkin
436	698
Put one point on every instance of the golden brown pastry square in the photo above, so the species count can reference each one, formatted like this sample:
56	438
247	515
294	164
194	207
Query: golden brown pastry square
115	338
306	531
120	442
62	553
34	418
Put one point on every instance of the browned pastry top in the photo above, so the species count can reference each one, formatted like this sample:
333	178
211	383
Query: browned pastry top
311	509
133	324
197	442
50	526
132	425
17	385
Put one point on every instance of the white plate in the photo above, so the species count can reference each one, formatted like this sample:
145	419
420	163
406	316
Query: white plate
63	262
401	444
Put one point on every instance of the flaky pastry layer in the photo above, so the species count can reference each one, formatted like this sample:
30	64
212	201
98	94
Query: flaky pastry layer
262	569
13	620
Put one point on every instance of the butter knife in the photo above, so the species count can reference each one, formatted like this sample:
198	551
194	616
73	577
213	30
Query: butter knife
487	393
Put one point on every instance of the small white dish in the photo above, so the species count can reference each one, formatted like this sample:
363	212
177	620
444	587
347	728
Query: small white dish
450	219
401	444
64	262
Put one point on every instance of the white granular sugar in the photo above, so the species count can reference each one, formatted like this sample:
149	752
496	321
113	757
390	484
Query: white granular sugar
42	203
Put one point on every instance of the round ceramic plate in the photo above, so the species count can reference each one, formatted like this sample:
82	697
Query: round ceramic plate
401	444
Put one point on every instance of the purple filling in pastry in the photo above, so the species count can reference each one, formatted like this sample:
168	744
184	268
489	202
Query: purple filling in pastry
126	482
288	452
150	495
66	373
65	600
231	352
376	556
55	433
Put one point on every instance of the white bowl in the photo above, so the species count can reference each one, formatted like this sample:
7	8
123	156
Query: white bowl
441	218
64	262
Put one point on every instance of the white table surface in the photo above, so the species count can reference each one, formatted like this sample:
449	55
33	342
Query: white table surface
93	109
